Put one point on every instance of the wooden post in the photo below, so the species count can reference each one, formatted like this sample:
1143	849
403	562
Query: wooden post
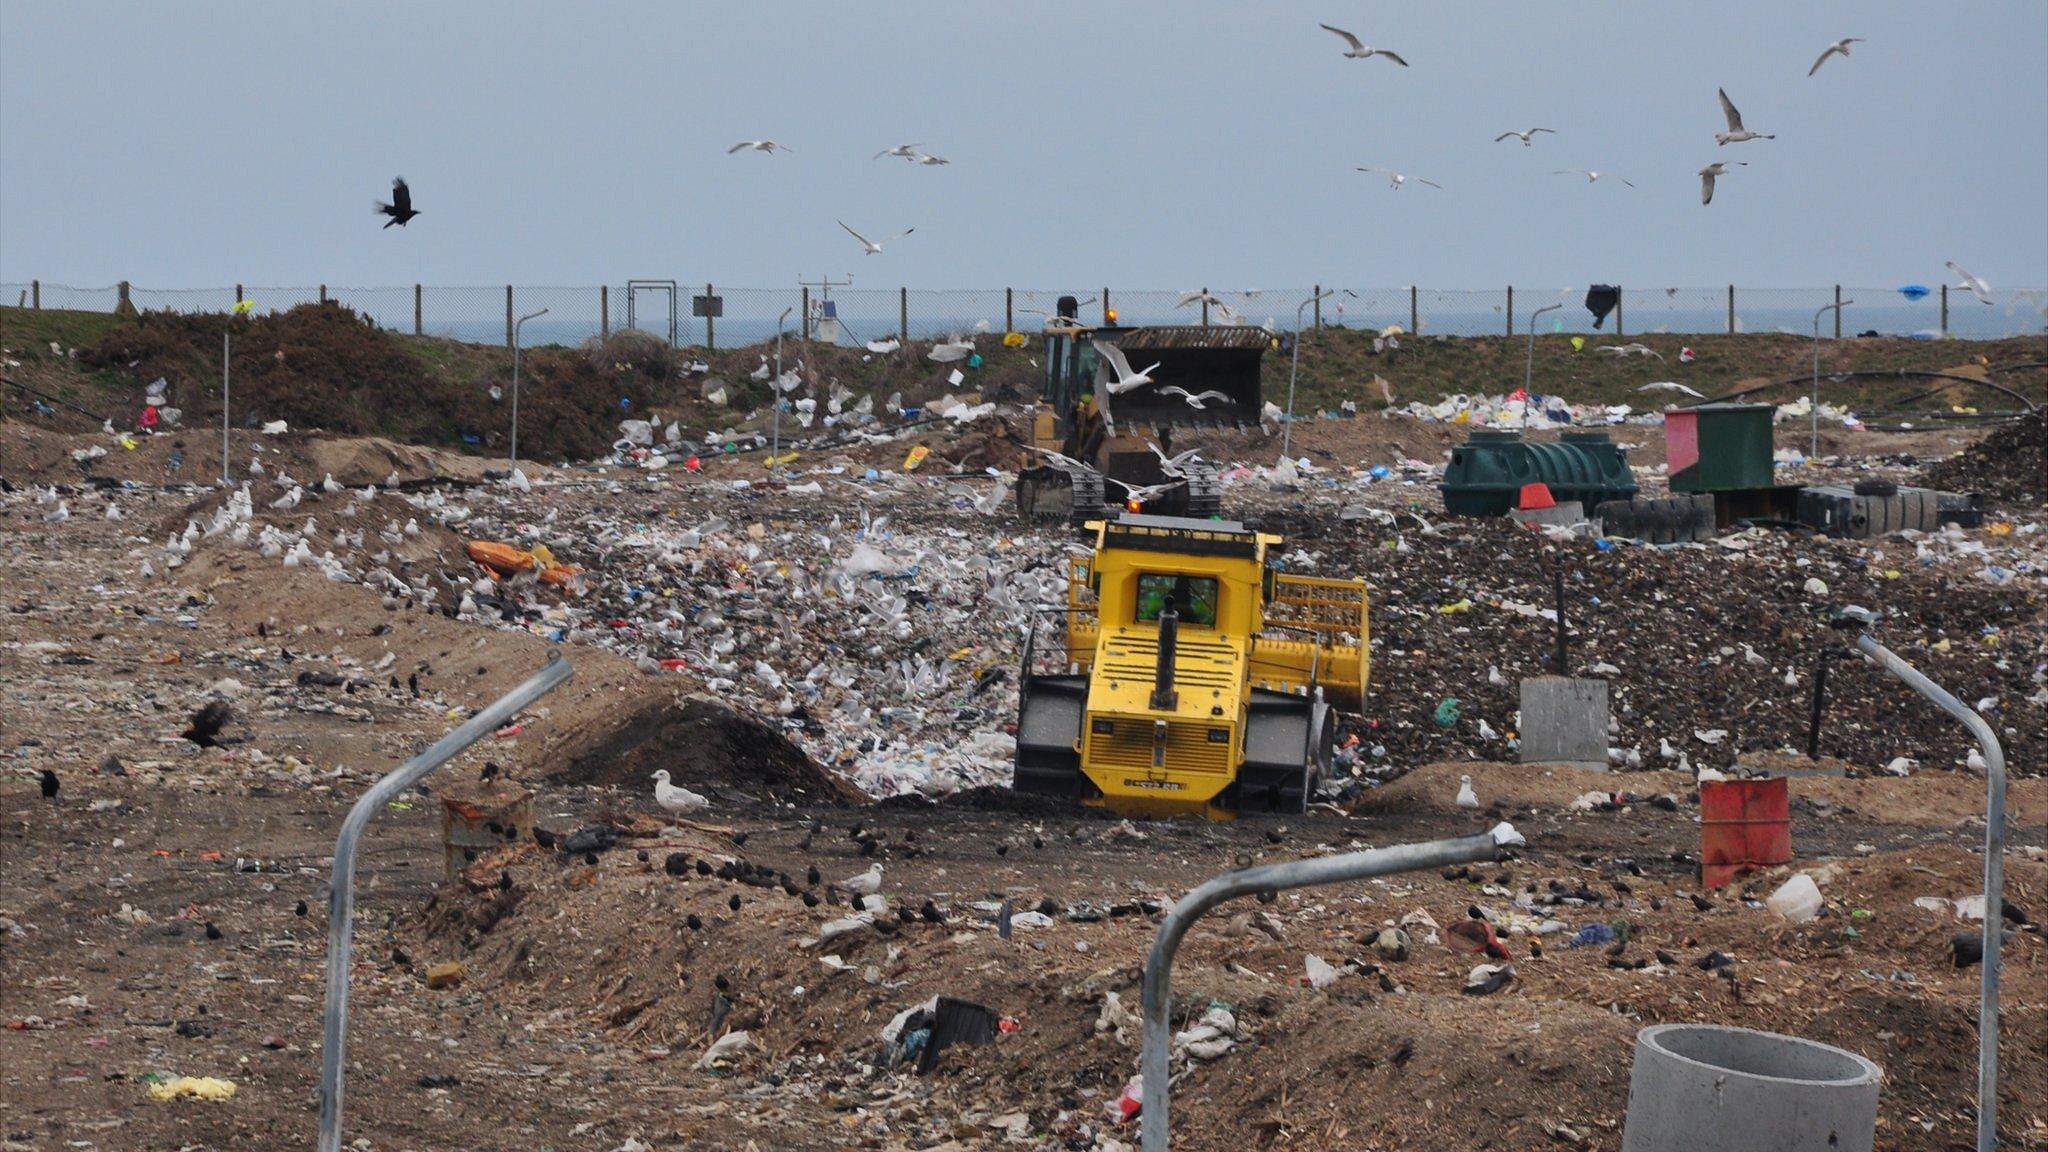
323	293
238	293
710	322
419	326
804	316
1009	309
1414	313
1619	331
509	333
903	314
1944	310
35	290
1731	309
1316	294
604	311
1838	311
1105	305
1511	314
122	305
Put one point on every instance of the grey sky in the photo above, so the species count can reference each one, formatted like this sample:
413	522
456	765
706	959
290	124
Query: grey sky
1138	144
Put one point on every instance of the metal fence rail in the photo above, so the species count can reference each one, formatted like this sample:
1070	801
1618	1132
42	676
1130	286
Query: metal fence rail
742	316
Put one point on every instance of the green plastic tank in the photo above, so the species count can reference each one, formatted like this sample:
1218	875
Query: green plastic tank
1719	447
1487	472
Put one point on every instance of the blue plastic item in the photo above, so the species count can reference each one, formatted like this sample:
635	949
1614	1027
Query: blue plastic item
1914	291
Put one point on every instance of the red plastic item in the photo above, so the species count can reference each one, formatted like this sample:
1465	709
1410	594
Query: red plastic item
1744	825
1535	496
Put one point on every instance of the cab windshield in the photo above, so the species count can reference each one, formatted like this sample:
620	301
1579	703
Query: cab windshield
1194	597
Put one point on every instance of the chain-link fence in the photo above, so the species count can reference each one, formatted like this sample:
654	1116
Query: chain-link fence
739	316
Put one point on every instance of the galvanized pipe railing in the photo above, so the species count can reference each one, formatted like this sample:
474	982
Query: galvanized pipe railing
341	892
1158	995
1994	877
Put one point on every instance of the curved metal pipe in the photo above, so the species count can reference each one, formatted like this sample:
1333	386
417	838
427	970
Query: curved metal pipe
1894	374
1158	995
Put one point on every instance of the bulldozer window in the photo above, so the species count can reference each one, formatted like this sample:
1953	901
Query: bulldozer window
1193	596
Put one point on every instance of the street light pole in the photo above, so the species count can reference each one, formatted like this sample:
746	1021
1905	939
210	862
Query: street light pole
521	323
227	346
775	391
1287	429
1529	367
1813	400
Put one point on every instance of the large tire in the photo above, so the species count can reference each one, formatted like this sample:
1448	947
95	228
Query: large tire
1666	520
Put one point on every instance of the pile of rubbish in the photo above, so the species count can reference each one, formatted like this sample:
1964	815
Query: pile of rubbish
1519	409
2010	466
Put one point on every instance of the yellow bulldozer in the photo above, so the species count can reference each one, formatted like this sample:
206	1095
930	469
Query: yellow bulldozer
1189	675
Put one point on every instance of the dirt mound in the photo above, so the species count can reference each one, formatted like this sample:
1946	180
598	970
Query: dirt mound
703	743
2010	466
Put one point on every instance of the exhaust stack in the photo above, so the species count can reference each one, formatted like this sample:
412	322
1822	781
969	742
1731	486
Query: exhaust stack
1164	698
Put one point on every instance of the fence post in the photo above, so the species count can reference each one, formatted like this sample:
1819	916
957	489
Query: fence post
804	317
1838	311
122	305
1009	310
1316	294
604	311
1944	310
238	293
1414	313
1619	330
35	289
510	335
1511	309
1105	305
710	323
323	293
903	314
1731	309
419	326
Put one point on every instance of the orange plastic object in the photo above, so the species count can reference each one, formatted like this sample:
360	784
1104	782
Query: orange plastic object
1744	825
559	575
501	558
1535	496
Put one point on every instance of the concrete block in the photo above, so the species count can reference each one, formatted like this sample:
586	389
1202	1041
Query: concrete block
1706	1088
1564	721
1564	512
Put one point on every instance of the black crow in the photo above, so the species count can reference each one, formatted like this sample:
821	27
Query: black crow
400	209
49	784
207	723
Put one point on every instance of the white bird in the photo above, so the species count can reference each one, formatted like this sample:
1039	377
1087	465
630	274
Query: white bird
1838	48
1975	284
907	151
1194	399
677	800
1630	350
869	247
1671	386
1467	798
1067	462
758	146
1665	749
113	511
1396	179
290	499
931	161
1975	760
274	428
1749	656
328	484
1635	758
1125	378
866	884
1196	297
1175	464
1523	135
1141	494
59	516
1707	174
1902	766
1494	677
1592	175
1486	731
1736	133
1358	51
1791	676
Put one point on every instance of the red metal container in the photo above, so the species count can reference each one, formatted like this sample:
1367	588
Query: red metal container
1744	825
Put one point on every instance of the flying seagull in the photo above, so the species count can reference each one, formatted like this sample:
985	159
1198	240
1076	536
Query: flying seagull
758	146
1195	399
1125	378
400	209
1396	179
1975	284
907	151
1670	386
1523	135
931	161
1736	133
1592	175
1707	175
1838	48
871	248
1358	51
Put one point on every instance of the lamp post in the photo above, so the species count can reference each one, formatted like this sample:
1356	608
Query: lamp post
1813	401
1287	429
521	323
227	345
1529	366
775	390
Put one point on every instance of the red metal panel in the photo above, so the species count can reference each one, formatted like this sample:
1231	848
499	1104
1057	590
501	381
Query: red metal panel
1681	440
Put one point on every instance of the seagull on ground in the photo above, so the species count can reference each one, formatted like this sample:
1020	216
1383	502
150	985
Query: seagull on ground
758	146
1467	798
674	799
1494	677
1736	133
1523	135
1358	51
866	884
870	247
1592	175
1396	179
1125	378
1707	175
1670	386
1195	399
1975	284
1838	48
907	151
